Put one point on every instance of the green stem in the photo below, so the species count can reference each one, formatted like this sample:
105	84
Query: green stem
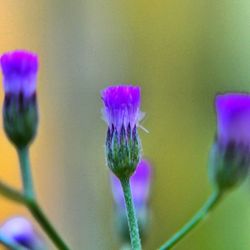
29	200
198	217
35	210
27	181
132	220
44	222
11	193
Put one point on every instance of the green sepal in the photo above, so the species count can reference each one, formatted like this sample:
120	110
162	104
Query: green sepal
228	165
123	151
20	118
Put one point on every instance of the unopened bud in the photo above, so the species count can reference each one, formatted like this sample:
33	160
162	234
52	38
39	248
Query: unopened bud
122	113
20	115
230	155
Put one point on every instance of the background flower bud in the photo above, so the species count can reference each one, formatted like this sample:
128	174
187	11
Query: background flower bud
20	115
21	231
122	114
230	155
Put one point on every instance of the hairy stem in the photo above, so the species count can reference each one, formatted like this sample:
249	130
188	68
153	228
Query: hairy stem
132	220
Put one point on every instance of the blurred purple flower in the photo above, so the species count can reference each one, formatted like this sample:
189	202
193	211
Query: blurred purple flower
122	106
20	72
140	183
22	232
233	117
20	106
230	155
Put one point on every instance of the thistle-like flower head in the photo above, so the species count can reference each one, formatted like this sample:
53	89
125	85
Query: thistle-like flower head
122	106
20	113
20	72
230	155
122	113
21	231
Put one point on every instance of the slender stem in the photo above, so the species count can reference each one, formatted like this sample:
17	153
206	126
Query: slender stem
11	193
16	196
27	181
41	218
132	220
29	200
198	217
35	210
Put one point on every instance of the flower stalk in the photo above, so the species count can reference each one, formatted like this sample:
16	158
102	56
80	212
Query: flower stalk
31	203
140	184
132	220
23	155
198	217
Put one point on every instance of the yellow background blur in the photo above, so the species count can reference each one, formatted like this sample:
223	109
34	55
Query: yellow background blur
181	53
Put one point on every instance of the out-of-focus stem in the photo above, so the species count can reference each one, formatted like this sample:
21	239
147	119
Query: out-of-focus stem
198	217
29	200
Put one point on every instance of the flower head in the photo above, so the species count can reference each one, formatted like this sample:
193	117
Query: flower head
122	106
20	113
122	113
230	155
20	72
21	231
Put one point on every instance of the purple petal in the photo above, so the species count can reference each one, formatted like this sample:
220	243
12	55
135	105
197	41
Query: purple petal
19	71
121	105
233	117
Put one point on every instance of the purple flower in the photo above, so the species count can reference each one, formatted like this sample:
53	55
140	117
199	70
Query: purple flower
20	72
233	117
22	232
230	155
122	113
20	112
140	183
122	106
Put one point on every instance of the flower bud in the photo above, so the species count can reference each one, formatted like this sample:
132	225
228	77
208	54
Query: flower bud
140	183
122	114
230	155
21	231
20	115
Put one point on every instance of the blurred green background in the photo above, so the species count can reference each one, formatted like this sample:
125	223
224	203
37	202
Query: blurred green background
181	53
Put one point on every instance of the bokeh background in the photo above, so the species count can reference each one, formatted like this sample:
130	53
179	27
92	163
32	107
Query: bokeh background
181	53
